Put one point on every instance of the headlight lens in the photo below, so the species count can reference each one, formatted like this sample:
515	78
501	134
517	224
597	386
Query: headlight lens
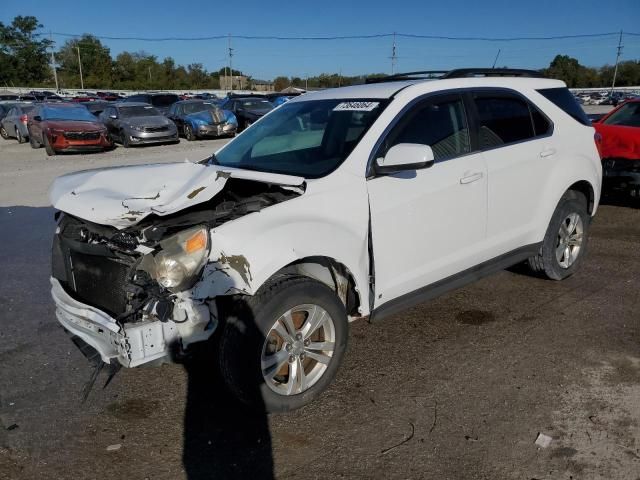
180	259
137	128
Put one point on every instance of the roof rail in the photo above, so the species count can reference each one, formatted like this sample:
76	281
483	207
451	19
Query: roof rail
419	75
457	73
491	72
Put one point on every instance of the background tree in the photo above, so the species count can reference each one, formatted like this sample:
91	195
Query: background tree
23	54
96	63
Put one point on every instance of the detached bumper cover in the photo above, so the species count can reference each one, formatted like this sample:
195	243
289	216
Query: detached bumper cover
132	344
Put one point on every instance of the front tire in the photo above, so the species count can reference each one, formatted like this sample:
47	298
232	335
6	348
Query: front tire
47	147
33	142
3	133
565	241
188	133
124	138
281	348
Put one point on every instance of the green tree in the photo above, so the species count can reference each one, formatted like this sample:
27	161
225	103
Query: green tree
97	65
23	54
280	83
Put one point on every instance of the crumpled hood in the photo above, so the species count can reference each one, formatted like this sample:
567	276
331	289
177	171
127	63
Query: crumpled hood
122	196
619	141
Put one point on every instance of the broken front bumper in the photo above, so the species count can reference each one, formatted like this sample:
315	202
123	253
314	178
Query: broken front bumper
132	344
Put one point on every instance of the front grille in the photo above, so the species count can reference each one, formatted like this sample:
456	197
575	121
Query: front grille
99	281
163	128
82	135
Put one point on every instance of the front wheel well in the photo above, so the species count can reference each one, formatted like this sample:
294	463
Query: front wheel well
330	272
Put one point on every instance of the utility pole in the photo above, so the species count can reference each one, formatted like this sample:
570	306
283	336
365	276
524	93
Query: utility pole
80	65
53	62
149	69
496	60
618	55
394	56
230	63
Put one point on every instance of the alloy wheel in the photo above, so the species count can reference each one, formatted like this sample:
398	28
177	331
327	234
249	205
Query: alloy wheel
298	349
570	238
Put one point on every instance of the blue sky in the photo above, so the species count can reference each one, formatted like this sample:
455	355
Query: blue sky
268	58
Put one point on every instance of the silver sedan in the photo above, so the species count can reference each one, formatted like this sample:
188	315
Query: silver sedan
134	124
14	124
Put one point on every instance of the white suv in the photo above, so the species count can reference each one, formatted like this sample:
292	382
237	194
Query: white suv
340	204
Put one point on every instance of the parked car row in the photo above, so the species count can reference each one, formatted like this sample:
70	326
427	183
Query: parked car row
603	97
137	120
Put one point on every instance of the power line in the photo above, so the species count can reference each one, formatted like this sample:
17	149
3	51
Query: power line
346	37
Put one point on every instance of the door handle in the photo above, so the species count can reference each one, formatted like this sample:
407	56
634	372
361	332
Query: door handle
473	177
547	152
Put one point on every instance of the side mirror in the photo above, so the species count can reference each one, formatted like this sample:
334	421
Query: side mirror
37	118
405	156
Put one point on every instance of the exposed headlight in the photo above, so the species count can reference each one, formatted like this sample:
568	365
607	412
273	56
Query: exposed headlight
137	128
179	260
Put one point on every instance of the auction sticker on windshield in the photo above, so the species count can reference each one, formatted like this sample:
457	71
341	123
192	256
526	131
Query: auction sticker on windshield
356	106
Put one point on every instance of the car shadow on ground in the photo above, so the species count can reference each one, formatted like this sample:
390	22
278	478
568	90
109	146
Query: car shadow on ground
223	438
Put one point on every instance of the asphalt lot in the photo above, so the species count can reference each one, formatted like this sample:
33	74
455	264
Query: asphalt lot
458	388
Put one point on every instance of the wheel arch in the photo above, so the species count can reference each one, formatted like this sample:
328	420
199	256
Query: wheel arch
330	272
584	187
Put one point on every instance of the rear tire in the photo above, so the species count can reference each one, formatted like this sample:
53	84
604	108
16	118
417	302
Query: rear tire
255	359
125	139
19	136
565	241
47	146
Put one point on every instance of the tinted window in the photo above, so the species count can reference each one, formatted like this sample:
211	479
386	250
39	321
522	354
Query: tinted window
541	124
562	98
439	123
138	111
164	100
502	119
627	115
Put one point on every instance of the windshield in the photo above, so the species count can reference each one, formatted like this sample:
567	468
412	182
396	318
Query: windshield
138	111
308	139
67	113
255	104
196	107
628	115
163	100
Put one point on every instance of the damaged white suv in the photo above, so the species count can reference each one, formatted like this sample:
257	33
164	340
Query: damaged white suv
340	204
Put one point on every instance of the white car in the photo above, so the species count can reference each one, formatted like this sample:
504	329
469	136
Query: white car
347	203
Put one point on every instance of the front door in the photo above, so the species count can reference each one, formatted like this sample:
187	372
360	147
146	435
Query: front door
430	223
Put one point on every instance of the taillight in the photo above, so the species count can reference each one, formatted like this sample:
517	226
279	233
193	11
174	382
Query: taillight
23	119
598	139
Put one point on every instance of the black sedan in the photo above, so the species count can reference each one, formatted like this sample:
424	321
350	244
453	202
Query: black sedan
247	109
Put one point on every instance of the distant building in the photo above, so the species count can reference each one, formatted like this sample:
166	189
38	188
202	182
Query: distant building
262	86
237	82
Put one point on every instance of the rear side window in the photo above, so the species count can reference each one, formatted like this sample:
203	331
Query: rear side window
562	98
502	119
440	123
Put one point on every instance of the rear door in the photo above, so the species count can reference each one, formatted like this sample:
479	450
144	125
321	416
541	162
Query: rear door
428	224
518	146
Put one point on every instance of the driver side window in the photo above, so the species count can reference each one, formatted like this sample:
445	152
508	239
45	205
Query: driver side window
439	122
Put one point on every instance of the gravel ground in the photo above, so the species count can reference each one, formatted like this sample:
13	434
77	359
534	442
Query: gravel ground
458	388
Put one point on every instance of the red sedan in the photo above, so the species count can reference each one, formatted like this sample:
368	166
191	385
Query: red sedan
620	147
66	128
